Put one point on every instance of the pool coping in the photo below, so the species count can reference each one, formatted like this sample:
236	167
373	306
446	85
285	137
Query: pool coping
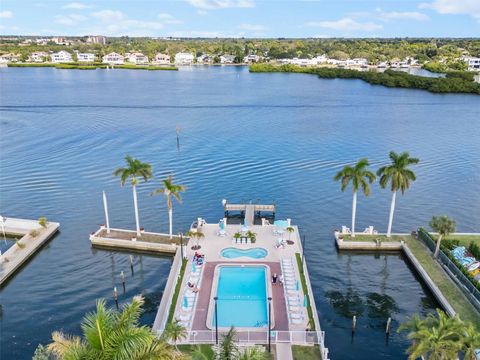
211	303
244	256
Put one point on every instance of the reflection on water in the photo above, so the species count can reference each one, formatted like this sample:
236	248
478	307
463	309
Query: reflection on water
274	137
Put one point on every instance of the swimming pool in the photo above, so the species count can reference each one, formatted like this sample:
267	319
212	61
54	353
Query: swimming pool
242	297
233	253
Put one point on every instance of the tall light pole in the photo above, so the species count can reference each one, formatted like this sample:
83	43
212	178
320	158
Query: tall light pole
269	323
181	245
216	320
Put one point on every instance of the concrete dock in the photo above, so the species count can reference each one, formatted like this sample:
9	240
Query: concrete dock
128	240
30	243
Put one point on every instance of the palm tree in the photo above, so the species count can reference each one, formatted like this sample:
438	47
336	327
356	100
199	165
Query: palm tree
170	189
175	331
108	334
436	337
360	176
444	226
399	176
228	348
290	230
135	169
197	235
471	342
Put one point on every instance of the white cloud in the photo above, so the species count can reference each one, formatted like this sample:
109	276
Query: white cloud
407	15
109	15
116	23
69	20
169	19
346	25
251	27
6	14
77	6
221	4
454	7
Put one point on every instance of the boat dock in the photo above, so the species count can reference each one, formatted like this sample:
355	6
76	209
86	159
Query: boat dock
129	240
248	211
32	237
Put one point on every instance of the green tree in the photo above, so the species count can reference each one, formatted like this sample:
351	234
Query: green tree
360	177
228	348
197	235
399	176
134	169
175	331
470	342
108	334
444	226
170	189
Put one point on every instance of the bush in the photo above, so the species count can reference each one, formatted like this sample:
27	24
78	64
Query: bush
448	245
474	250
456	83
43	353
42	221
34	233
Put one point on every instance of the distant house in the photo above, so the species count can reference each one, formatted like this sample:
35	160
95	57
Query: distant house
6	58
183	59
85	57
251	58
204	59
473	63
359	62
39	57
97	39
61	57
60	41
227	59
113	59
161	59
137	58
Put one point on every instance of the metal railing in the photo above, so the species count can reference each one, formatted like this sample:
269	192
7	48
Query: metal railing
470	290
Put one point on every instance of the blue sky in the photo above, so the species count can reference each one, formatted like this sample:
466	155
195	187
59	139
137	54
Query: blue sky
243	18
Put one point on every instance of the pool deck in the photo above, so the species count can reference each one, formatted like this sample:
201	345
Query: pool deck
289	324
13	259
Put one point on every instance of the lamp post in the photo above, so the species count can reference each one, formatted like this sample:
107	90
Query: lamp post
303	250
216	320
181	245
269	323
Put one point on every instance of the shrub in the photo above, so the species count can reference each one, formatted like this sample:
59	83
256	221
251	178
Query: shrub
449	244
42	221
34	233
474	250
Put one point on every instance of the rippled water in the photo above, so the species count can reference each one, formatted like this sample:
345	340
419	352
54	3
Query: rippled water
243	137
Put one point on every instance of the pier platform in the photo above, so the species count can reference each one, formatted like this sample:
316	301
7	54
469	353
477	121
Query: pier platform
30	243
128	240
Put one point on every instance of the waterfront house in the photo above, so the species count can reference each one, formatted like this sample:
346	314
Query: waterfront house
161	59
113	58
6	58
473	63
97	39
39	57
227	59
61	57
204	59
359	62
251	58
137	58
184	58
85	57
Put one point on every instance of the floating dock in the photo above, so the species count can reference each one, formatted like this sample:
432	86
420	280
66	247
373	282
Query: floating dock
248	211
30	243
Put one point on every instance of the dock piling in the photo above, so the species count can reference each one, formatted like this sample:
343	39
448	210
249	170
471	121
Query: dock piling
122	276
354	324
387	329
106	212
131	264
115	296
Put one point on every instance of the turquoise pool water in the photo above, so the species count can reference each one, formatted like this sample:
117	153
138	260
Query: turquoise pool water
233	253
242	297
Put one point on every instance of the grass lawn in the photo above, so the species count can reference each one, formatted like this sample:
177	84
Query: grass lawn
451	292
464	240
196	351
373	238
305	291
177	291
306	352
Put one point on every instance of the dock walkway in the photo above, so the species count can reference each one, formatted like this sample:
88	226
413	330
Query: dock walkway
16	256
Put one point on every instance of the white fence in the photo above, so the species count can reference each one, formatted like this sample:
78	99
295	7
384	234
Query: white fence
164	308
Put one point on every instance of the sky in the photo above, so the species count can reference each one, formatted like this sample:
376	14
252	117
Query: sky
242	18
